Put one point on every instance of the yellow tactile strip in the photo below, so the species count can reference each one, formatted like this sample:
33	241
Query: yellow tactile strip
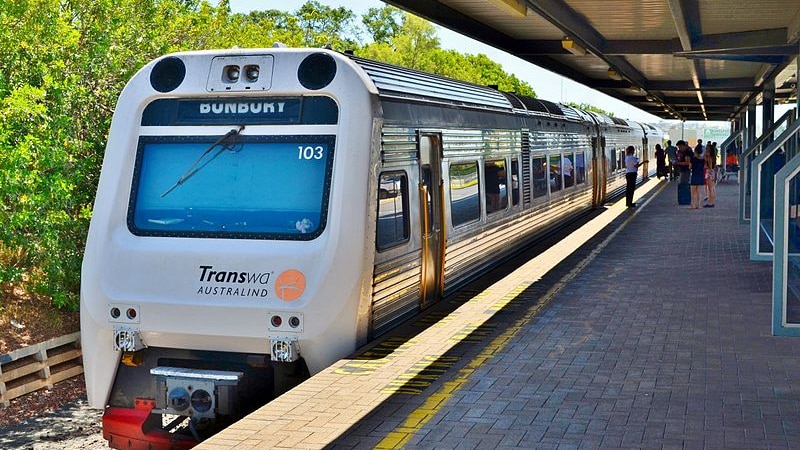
321	409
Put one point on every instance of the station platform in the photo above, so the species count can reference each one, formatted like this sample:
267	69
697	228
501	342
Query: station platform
644	328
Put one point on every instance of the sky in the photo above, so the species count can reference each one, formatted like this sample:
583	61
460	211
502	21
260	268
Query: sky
548	85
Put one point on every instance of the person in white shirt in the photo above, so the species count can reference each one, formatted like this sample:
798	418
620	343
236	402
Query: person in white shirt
631	165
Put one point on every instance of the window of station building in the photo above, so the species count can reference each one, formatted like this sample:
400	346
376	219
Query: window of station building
540	179
515	182
495	185
465	204
568	168
393	223
556	180
580	168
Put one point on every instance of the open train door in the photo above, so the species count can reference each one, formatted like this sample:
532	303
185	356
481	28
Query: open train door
432	224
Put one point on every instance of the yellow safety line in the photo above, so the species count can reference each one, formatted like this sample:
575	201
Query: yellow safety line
415	420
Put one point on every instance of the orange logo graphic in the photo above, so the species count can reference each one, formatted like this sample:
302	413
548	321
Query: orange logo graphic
290	285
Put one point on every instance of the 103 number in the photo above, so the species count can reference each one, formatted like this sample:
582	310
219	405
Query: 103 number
310	152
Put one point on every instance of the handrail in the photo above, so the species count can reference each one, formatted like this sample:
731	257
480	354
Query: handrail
785	212
744	167
728	140
756	225
768	133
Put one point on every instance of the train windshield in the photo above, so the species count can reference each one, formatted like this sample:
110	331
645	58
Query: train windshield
242	187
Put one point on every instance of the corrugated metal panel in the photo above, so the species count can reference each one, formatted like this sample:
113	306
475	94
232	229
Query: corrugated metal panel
396	81
732	16
398	144
627	19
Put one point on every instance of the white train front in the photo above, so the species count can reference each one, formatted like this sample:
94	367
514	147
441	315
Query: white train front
261	213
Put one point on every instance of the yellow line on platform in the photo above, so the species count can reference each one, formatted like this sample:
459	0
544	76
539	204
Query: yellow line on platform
417	419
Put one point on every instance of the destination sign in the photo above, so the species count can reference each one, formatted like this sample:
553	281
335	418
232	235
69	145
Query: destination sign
241	110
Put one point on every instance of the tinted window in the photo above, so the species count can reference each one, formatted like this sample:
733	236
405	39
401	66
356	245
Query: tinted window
540	181
568	169
580	168
556	182
515	182
495	185
465	203
392	228
275	188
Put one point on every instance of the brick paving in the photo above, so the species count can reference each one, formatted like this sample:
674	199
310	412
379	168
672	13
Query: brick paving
654	334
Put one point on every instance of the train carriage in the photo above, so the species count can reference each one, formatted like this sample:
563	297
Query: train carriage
261	213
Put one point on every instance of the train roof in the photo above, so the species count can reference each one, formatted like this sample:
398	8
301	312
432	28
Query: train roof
413	85
408	84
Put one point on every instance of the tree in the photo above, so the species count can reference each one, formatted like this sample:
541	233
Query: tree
322	25
383	23
588	107
65	63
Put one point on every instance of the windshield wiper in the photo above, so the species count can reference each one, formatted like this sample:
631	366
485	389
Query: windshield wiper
193	169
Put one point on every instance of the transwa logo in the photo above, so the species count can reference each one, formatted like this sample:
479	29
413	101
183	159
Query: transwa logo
290	285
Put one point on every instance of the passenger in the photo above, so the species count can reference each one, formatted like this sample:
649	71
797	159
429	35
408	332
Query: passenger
698	165
731	161
631	164
495	177
566	169
684	162
661	162
699	146
672	156
711	176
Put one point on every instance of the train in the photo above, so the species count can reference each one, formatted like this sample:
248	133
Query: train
262	213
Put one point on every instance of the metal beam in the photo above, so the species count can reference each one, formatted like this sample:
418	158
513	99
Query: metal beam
743	39
715	85
686	101
575	26
615	47
773	54
686	15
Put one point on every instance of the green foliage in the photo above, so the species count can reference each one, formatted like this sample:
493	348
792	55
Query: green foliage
65	63
383	23
588	107
413	43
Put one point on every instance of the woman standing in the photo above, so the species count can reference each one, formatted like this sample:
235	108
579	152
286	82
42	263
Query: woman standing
661	162
711	177
697	165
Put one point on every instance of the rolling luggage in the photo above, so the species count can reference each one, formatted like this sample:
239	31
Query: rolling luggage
684	194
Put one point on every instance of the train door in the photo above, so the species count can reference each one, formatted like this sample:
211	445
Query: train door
599	171
432	226
645	156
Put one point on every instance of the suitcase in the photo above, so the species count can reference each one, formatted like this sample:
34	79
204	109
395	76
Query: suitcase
684	194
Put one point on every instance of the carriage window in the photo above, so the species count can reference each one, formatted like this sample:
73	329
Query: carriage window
495	185
242	187
556	181
465	205
540	182
392	228
515	182
580	168
568	168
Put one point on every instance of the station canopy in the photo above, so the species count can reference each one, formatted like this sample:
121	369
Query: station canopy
676	59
